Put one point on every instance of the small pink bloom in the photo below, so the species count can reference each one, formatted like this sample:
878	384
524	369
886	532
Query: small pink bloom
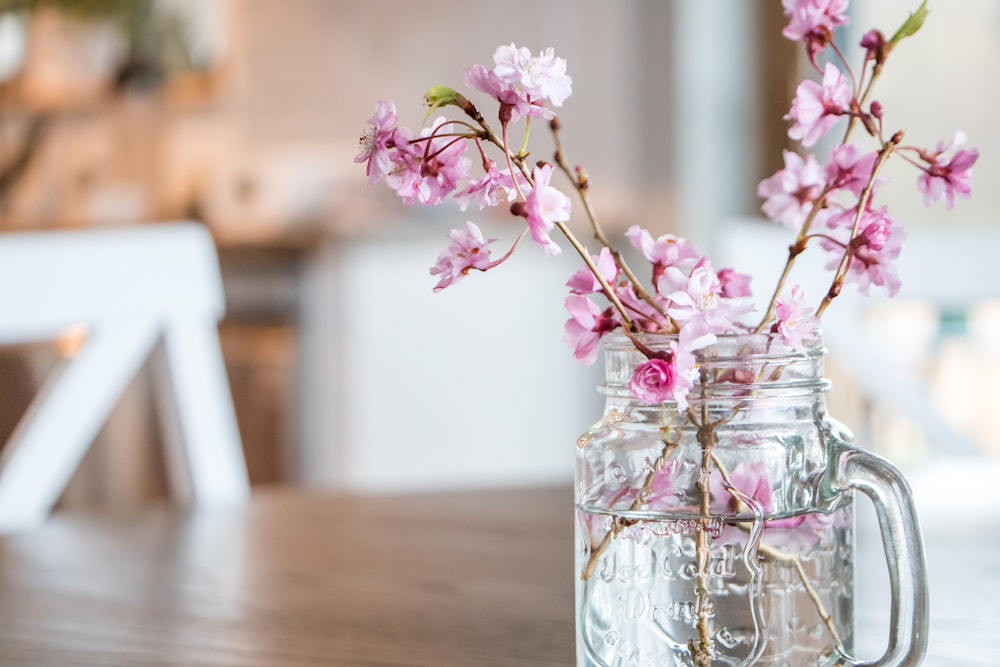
585	327
748	485
734	285
796	323
544	206
812	16
798	533
644	315
873	251
663	251
816	108
813	22
514	103
468	250
489	190
792	192
946	176
585	282
696	300
377	140
429	169
663	492
658	380
850	168
873	42
541	77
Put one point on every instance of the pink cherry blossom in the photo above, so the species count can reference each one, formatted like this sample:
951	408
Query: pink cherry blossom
585	282
873	42
796	322
812	16
468	250
514	103
850	168
663	492
658	380
817	107
490	189
791	193
585	327
428	168
733	284
644	315
797	533
748	485
377	140
873	250
544	206
946	175
813	22
663	251
541	77
696	300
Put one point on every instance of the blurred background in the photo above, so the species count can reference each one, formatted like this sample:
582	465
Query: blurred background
346	371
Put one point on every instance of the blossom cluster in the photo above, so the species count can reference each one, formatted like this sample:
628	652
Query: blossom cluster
829	204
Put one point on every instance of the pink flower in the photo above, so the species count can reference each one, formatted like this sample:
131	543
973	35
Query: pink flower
945	176
585	282
813	22
734	284
792	192
796	322
850	168
376	141
658	380
488	190
467	250
798	533
653	381
873	251
541	77
748	486
664	251
644	316
873	42
816	108
544	206
696	300
514	103
427	169
662	492
585	327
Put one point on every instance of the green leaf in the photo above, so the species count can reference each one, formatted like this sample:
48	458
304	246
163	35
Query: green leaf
912	24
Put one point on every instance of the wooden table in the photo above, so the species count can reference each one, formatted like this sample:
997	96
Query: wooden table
296	578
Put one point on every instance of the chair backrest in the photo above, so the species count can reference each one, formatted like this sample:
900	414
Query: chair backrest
139	290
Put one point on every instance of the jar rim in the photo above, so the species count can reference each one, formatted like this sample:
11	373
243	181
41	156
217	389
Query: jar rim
728	348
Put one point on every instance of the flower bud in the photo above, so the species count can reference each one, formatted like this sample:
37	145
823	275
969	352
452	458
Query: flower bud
442	96
874	45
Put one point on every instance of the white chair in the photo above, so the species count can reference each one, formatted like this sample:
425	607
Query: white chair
135	291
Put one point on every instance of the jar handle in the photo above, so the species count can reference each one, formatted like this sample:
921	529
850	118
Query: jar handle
884	484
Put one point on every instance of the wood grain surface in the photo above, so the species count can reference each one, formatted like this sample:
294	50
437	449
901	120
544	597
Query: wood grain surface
482	578
294	578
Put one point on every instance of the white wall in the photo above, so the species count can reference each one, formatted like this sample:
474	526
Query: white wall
407	389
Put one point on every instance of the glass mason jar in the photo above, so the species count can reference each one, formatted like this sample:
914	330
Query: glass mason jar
723	534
